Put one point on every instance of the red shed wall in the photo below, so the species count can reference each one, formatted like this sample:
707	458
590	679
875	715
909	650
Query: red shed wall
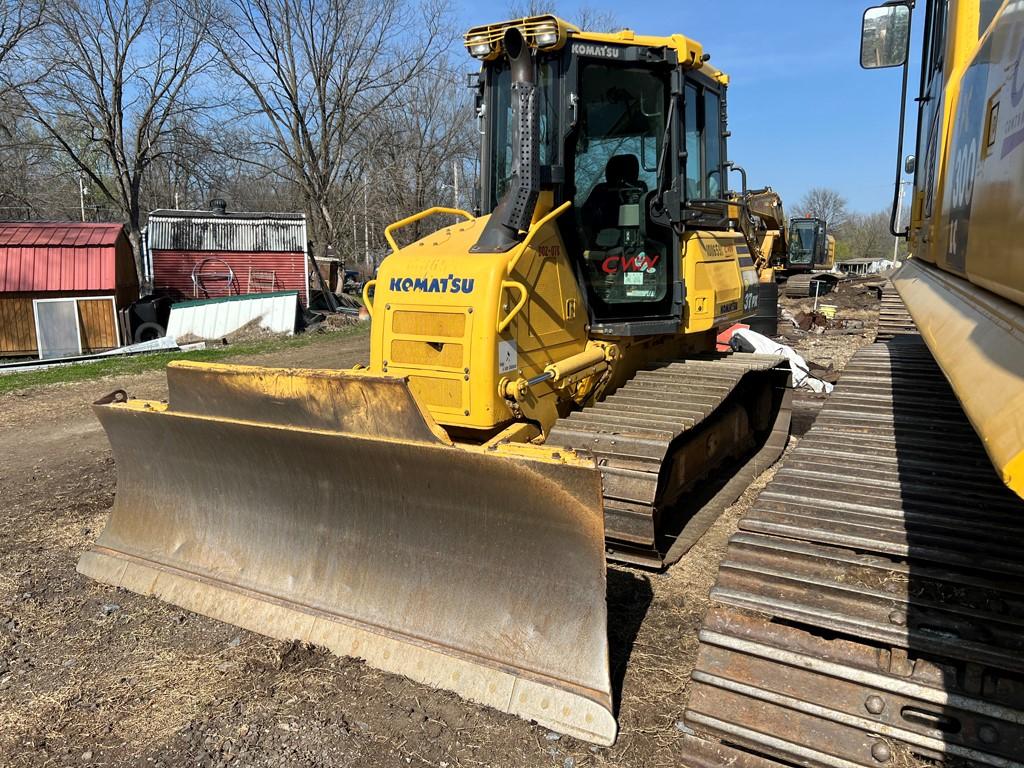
172	272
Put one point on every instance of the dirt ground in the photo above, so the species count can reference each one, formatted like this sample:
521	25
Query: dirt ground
91	675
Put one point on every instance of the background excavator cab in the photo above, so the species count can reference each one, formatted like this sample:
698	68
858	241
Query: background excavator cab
808	244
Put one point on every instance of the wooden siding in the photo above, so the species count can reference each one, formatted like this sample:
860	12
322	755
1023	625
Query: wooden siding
97	321
17	327
98	324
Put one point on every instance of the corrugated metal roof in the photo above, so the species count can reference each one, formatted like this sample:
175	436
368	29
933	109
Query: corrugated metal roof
43	234
58	257
205	231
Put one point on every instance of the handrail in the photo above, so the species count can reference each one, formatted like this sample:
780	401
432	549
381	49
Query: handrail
523	295
534	230
394	227
366	293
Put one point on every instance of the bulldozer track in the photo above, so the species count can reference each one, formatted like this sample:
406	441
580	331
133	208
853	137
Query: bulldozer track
870	610
633	432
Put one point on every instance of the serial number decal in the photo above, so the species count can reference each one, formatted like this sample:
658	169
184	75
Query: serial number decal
715	250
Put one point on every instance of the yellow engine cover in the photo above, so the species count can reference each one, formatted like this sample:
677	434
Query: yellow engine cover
721	280
437	308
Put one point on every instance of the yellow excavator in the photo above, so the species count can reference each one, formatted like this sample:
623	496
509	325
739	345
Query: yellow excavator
542	393
809	259
868	612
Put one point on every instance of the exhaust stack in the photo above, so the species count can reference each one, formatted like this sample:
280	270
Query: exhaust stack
514	211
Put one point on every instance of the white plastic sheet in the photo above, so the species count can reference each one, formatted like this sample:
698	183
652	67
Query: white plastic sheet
802	376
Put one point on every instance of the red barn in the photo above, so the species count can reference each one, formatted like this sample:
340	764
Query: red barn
209	254
61	284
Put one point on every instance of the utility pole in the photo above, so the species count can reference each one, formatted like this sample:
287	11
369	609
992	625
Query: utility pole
366	221
455	178
899	215
81	193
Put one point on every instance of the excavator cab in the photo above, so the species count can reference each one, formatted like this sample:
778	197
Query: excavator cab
808	244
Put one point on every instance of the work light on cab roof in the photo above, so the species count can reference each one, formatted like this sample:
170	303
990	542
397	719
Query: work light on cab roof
546	33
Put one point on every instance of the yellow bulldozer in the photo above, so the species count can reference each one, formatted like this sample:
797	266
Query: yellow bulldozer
543	392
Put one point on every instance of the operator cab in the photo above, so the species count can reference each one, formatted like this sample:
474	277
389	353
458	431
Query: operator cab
807	244
633	138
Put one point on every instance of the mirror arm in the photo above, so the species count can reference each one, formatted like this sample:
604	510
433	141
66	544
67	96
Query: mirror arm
903	118
731	166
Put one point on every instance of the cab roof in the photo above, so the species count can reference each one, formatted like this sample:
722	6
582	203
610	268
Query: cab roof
538	32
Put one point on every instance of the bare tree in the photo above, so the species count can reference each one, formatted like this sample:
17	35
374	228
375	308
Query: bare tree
425	138
18	20
318	73
119	82
586	17
827	204
867	236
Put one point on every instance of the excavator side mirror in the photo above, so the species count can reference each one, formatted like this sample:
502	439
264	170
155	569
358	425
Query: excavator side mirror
910	164
885	36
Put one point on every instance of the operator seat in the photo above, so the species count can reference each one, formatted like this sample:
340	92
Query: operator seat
601	209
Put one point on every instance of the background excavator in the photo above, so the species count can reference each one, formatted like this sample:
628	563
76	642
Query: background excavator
796	254
870	610
810	257
542	391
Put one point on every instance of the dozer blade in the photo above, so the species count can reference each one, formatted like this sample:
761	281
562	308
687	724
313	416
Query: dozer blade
327	507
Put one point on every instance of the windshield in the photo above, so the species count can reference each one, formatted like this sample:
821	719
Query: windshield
802	241
622	123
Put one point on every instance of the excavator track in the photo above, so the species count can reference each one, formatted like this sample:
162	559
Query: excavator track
893	318
870	610
655	442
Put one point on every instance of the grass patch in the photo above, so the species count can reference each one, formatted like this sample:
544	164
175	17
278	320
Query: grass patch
127	366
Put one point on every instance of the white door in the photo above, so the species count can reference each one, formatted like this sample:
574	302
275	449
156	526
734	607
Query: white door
57	329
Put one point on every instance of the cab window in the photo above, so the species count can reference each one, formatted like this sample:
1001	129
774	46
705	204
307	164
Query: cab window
712	144
694	160
501	107
702	129
617	144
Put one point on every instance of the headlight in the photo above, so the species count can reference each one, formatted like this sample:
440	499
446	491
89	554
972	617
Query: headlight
479	46
546	35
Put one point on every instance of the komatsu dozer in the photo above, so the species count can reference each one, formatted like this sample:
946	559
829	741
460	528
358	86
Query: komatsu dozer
542	392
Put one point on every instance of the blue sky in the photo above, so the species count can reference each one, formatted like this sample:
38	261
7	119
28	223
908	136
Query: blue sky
801	110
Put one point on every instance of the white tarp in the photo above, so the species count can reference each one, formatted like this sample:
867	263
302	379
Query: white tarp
216	318
802	376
